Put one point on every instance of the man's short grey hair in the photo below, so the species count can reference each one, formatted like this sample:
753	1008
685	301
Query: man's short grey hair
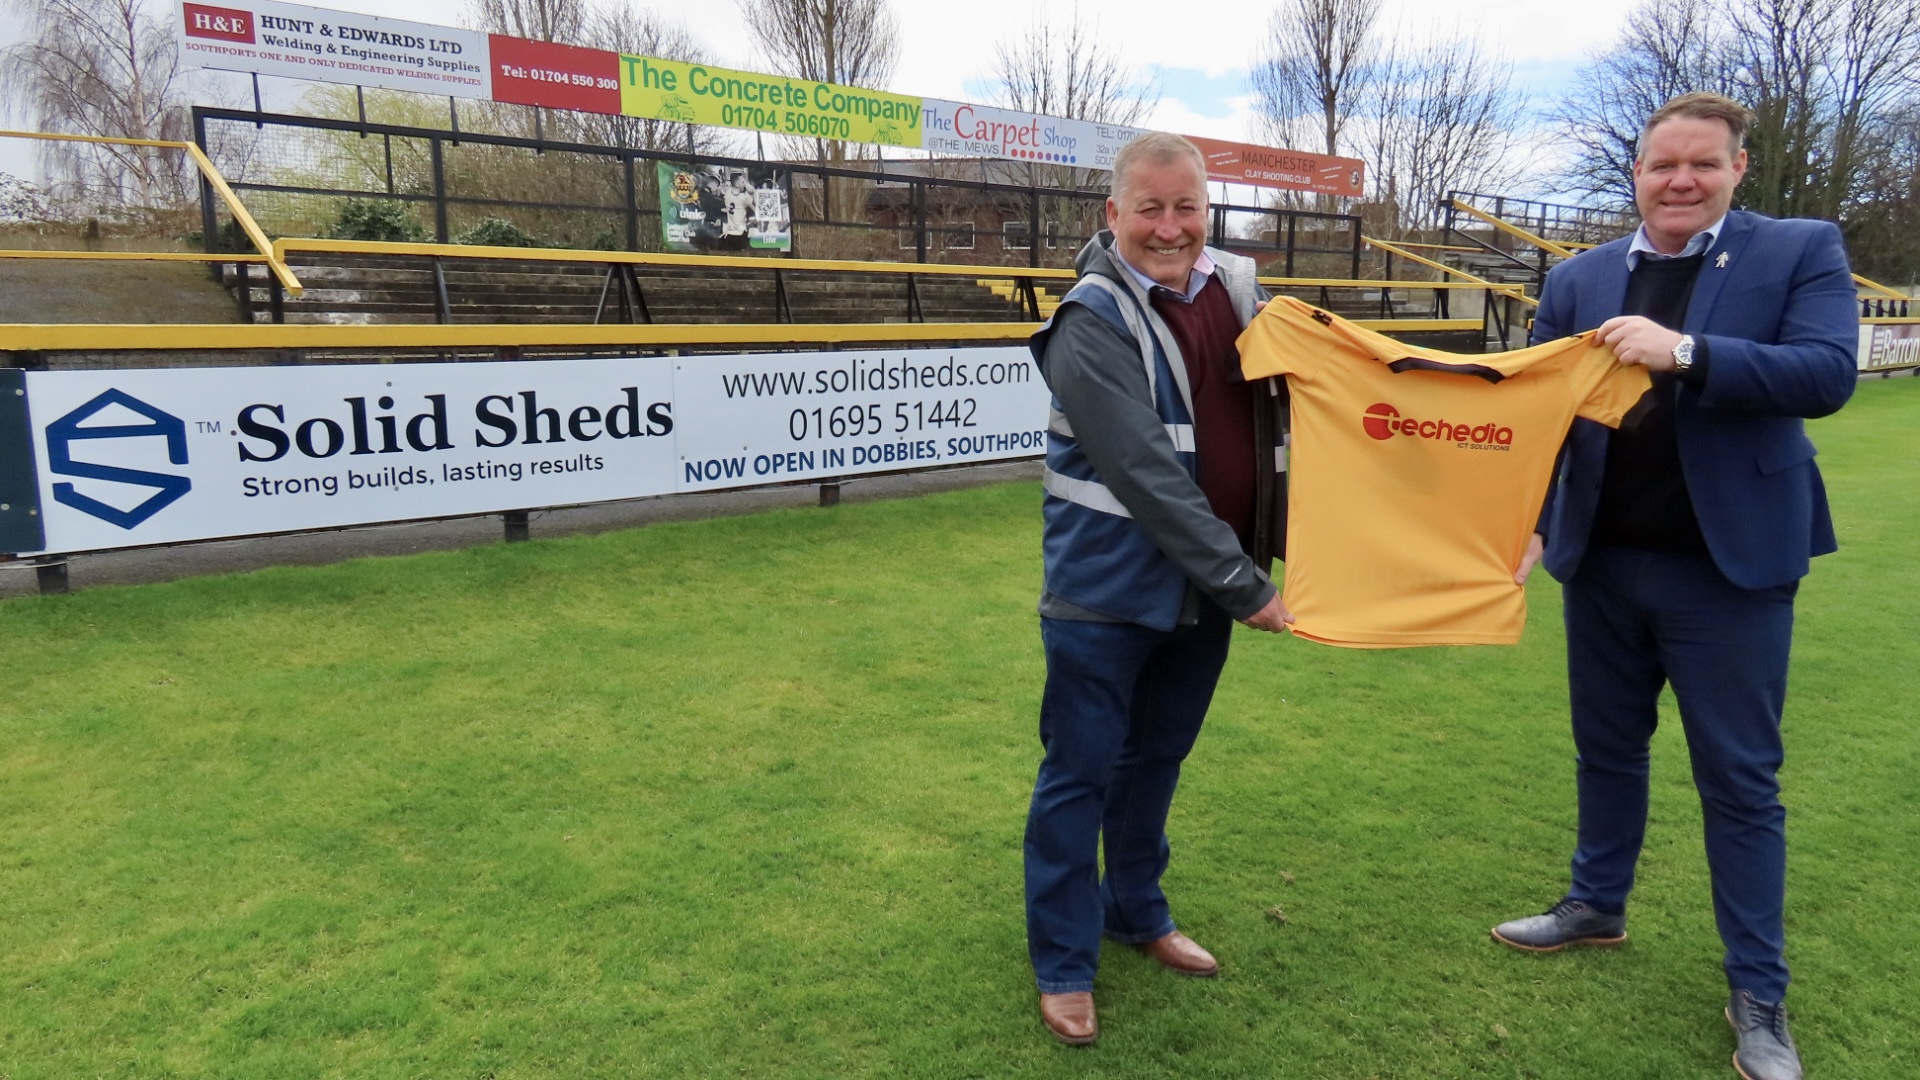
1157	147
1701	106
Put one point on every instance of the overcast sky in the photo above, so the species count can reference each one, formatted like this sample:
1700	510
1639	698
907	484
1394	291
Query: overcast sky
1199	51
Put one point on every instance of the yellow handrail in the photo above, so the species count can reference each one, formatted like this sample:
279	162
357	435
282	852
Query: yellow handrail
129	256
59	337
289	244
1874	286
207	172
1401	251
1514	230
1472	282
286	244
52	337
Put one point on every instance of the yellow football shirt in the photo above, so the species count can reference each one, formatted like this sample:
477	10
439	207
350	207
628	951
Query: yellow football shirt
1416	476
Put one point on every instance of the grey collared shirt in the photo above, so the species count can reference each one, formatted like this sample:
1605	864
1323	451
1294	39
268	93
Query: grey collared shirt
1702	242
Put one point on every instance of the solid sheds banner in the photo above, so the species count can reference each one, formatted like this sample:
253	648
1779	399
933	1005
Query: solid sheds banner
132	458
301	42
804	416
151	457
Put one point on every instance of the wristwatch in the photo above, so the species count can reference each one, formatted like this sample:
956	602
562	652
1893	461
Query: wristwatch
1683	355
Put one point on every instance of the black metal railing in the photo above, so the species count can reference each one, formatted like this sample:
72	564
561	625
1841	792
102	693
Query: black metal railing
297	173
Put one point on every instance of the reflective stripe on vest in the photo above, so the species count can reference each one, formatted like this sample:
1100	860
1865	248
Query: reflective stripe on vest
1088	493
1181	435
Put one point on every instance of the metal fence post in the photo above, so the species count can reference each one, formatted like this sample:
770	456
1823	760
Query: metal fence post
439	192
919	204
633	208
51	572
1033	228
209	221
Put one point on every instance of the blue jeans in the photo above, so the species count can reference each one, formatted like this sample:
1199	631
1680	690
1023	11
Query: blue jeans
1122	707
1637	620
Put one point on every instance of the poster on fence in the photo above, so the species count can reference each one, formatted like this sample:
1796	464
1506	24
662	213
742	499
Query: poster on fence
725	209
131	458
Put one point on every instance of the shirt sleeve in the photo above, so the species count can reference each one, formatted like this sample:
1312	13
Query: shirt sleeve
1270	343
1605	388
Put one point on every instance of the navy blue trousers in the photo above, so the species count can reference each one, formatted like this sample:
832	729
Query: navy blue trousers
1638	620
1122	707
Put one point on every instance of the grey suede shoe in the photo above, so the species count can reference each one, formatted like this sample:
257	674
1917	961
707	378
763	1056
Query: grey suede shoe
1569	922
1765	1050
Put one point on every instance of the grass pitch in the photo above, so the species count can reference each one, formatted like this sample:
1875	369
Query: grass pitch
744	797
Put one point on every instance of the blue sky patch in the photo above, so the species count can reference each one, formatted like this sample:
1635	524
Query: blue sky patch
1203	94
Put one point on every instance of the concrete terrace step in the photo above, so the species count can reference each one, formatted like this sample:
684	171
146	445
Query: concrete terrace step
374	289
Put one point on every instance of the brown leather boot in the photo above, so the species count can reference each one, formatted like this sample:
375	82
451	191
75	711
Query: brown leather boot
1177	952
1070	1017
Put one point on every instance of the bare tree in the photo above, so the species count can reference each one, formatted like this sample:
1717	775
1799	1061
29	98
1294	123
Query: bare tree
1072	73
626	28
1883	232
1667	48
1875	84
1442	116
847	42
1775	50
1069	72
1313	70
850	42
102	68
564	21
1827	80
1821	77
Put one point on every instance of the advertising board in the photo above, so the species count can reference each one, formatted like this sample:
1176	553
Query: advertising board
130	458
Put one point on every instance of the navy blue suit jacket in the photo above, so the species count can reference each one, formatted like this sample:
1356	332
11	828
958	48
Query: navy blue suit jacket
1780	321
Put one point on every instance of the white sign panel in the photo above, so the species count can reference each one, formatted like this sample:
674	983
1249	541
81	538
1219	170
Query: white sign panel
335	46
953	127
131	458
810	415
1886	346
152	457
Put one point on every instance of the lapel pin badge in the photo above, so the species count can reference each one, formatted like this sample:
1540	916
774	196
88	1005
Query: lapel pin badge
1721	262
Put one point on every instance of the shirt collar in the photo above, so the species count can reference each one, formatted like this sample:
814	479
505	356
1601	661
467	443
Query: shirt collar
1702	242
1203	267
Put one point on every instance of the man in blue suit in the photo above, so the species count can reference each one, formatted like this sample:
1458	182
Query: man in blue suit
1681	538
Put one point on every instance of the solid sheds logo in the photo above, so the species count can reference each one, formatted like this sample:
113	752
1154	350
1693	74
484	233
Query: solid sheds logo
123	419
218	23
1382	421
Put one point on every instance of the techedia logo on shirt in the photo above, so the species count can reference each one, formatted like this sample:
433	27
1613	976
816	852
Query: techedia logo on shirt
1382	421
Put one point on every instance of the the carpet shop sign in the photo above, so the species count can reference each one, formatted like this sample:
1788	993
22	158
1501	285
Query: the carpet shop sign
129	458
